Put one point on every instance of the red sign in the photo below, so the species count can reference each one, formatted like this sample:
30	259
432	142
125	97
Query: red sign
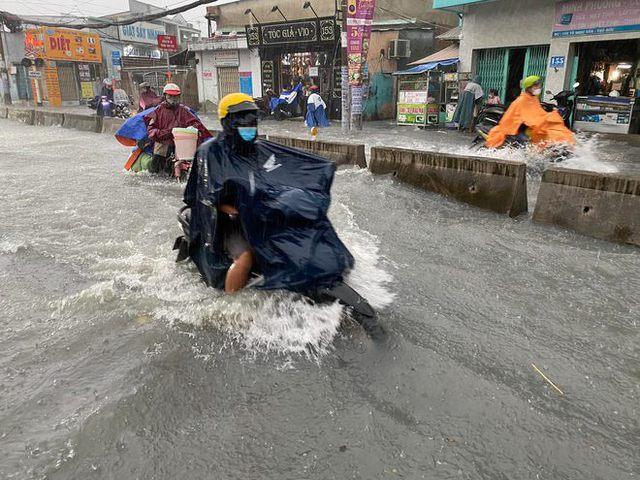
167	43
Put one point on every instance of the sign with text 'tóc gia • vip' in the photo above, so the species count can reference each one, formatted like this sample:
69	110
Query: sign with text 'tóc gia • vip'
359	19
167	43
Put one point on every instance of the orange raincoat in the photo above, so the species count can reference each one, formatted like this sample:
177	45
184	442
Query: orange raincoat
544	127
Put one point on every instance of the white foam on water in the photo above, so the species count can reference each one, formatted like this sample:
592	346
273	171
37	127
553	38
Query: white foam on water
368	277
9	245
143	281
588	155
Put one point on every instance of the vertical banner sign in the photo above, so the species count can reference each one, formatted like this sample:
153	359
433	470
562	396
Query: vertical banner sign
53	86
359	19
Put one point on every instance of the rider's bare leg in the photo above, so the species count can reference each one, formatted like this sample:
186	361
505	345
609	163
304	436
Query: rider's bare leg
238	273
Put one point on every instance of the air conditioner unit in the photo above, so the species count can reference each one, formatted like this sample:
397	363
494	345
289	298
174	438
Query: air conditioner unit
399	49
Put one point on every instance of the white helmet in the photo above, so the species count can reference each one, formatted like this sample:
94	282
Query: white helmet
171	89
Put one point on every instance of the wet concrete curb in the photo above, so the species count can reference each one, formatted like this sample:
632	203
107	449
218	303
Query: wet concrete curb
340	153
491	184
604	206
600	205
48	119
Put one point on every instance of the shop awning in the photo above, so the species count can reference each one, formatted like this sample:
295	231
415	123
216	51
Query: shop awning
427	66
454	34
452	52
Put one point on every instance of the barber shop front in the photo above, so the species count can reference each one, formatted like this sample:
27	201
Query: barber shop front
306	51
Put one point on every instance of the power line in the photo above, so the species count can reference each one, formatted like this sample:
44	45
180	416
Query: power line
406	17
15	22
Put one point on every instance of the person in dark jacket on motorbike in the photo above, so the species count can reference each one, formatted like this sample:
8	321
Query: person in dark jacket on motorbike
168	115
238	114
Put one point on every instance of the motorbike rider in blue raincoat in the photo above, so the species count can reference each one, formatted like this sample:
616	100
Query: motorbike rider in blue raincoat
256	215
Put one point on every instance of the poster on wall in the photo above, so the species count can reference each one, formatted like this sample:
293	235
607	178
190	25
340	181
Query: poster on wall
267	76
595	17
246	83
359	19
86	89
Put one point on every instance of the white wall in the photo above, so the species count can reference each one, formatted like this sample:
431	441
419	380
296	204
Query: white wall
507	23
209	83
250	62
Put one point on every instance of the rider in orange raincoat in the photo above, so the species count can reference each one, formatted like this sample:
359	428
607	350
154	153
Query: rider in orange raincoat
526	116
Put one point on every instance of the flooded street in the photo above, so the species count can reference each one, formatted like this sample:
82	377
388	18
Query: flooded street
119	363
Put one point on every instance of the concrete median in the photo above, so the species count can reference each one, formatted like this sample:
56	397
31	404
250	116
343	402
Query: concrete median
491	184
340	153
86	123
48	119
111	125
24	115
601	205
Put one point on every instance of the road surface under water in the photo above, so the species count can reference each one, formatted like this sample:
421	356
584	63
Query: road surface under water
119	364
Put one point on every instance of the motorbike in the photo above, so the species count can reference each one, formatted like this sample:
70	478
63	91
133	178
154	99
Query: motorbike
490	115
264	103
288	104
108	108
357	307
565	104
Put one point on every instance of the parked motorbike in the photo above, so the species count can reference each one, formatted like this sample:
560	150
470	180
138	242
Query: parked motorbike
122	110
565	104
107	108
264	104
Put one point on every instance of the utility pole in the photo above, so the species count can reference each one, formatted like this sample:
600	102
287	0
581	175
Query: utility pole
346	90
4	71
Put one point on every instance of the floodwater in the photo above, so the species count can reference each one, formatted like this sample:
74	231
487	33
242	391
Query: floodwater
119	364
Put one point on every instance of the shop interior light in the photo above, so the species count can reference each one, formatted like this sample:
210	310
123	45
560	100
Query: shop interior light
308	5
249	11
275	8
624	66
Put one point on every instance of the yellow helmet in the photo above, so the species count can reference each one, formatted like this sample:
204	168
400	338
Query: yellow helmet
234	103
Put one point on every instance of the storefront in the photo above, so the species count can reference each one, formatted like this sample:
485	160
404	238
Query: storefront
64	65
141	60
300	51
225	65
600	49
593	42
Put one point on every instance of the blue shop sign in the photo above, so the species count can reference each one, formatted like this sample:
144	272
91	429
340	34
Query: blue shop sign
116	58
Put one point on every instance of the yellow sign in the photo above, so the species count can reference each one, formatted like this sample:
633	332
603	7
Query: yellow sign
63	44
87	89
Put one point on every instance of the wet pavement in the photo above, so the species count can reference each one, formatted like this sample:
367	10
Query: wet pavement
120	364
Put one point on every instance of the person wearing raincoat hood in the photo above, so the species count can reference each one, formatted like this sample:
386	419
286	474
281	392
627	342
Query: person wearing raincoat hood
525	118
257	206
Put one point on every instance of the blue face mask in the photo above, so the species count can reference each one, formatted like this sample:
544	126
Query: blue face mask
248	134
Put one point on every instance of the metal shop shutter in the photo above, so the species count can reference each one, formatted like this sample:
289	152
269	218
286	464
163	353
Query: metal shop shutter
68	82
228	80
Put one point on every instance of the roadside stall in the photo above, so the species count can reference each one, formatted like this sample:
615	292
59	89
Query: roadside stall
609	75
607	114
423	94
